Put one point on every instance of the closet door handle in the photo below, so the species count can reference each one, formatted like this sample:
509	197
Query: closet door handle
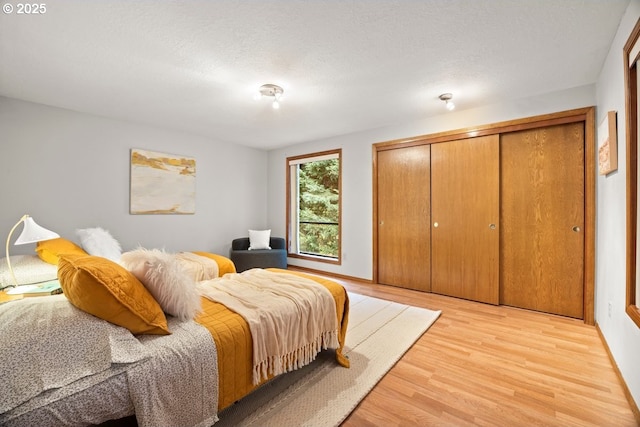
576	229
435	225
492	226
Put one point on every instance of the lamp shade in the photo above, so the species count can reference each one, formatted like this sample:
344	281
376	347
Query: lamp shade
32	233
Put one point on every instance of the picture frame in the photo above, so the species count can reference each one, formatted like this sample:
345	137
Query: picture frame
162	183
608	144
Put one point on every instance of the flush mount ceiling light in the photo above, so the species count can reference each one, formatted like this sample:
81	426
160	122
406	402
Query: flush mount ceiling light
271	91
446	97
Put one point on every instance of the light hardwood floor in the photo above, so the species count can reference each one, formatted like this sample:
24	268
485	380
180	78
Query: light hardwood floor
484	365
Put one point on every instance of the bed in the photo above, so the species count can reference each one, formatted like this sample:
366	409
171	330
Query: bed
162	379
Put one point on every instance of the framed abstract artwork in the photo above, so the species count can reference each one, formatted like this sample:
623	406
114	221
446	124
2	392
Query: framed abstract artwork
607	144
162	183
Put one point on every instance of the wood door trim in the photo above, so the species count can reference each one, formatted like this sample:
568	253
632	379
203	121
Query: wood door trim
563	117
631	127
590	166
586	115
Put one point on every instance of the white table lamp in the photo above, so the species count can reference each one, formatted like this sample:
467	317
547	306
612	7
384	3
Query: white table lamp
31	233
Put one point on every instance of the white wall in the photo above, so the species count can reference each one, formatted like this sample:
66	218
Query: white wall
357	208
622	335
70	170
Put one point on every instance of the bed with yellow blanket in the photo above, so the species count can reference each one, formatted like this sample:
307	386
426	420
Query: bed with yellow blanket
160	367
233	341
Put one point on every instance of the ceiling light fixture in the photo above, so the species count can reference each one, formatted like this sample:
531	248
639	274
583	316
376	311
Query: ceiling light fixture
446	97
271	91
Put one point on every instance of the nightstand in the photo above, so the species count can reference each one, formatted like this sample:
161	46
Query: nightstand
6	298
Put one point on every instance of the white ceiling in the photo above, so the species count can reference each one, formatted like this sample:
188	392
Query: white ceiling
345	65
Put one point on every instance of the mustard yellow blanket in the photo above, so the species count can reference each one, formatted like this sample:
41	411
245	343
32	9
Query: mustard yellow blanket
291	318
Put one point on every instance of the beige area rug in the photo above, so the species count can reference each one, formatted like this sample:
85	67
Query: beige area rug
323	393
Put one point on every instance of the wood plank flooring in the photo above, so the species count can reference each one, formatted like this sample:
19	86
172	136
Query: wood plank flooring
484	365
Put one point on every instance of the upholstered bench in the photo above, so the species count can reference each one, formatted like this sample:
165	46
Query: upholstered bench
245	259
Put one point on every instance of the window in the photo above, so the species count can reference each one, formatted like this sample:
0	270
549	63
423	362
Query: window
632	86
314	206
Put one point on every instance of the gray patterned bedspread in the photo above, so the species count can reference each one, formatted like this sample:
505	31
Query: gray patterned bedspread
62	366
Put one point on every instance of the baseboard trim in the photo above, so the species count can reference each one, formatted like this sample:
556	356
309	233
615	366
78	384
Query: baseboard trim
627	393
327	273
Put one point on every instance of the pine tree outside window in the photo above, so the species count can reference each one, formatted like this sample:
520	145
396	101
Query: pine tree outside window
314	206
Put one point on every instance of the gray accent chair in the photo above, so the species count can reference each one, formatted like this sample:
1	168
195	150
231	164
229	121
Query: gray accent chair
245	259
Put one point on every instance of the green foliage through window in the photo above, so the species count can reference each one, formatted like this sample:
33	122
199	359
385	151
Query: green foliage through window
319	207
314	205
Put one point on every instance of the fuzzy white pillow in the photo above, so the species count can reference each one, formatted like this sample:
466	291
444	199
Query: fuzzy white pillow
99	242
166	279
259	239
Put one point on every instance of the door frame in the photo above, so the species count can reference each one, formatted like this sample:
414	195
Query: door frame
585	115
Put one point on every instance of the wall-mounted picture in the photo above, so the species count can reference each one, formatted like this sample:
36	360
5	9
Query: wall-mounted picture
162	183
608	144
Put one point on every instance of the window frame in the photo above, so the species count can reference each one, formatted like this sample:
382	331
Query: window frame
631	54
293	160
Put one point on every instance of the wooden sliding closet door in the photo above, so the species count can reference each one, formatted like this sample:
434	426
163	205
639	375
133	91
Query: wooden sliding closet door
403	182
542	214
464	216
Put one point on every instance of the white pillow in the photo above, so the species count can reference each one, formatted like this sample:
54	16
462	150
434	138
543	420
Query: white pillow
166	279
259	239
99	242
27	269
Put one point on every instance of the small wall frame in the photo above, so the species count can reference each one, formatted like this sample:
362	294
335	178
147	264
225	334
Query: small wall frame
608	144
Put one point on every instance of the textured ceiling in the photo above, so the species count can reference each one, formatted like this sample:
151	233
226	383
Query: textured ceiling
345	66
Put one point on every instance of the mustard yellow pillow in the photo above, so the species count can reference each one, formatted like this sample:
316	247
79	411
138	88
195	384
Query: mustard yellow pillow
108	291
50	250
225	265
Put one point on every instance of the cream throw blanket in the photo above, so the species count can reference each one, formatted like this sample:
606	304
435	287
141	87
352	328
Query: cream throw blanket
291	318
